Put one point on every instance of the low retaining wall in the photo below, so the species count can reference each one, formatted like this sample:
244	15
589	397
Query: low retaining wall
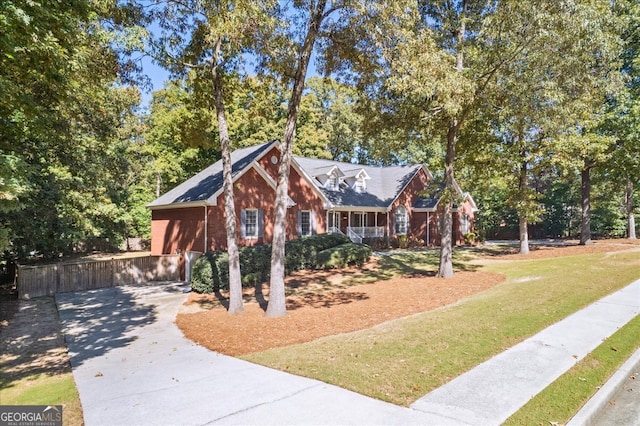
48	280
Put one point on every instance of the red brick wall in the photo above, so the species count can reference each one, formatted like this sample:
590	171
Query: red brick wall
252	191
417	221
306	198
266	163
458	237
177	229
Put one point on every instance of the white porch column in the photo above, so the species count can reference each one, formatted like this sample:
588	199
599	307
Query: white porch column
388	229
428	226
375	220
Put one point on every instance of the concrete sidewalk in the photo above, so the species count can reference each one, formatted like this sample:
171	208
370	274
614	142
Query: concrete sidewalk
494	390
133	366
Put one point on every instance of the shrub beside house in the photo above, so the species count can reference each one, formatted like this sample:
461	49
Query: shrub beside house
324	251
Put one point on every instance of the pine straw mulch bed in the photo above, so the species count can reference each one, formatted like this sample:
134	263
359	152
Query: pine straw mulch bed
321	303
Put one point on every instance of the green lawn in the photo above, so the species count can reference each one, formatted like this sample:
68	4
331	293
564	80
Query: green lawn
46	389
564	397
403	360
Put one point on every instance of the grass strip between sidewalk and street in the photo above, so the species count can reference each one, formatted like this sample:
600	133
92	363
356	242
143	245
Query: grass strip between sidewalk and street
561	400
402	360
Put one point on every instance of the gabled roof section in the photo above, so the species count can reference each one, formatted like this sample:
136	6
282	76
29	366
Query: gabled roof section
429	201
204	187
384	183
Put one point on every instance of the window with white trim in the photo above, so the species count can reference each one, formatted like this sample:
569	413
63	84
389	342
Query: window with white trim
250	223
305	222
400	221
360	185
465	224
332	182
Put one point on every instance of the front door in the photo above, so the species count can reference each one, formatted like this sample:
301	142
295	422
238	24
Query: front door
334	220
359	222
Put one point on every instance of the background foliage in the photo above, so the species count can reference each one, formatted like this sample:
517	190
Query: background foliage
80	158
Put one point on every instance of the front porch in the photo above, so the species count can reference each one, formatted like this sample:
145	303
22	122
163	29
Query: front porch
359	225
420	228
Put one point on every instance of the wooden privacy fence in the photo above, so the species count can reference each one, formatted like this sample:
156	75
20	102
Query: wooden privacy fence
47	280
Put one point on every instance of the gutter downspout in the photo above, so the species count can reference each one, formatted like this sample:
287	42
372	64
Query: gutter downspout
206	225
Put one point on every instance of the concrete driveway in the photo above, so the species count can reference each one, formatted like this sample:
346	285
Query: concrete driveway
132	366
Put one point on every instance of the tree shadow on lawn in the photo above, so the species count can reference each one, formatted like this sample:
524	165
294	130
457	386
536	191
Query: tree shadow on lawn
418	263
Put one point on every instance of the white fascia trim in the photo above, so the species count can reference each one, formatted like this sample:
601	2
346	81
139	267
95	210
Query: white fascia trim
312	182
333	169
427	171
403	188
213	199
465	195
474	207
181	205
262	172
267	177
359	209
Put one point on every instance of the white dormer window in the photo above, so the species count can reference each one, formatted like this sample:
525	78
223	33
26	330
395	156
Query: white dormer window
332	182
360	185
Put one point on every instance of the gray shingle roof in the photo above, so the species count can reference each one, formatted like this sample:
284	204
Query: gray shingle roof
429	200
383	188
204	186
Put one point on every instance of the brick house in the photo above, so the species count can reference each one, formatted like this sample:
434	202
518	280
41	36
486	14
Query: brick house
363	202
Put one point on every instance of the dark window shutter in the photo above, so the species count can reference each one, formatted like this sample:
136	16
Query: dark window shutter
260	223
243	223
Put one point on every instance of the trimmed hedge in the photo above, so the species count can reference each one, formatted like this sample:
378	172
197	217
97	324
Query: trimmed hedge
301	254
211	271
343	255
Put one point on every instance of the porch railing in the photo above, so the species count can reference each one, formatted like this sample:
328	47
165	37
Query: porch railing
358	233
353	236
335	230
369	231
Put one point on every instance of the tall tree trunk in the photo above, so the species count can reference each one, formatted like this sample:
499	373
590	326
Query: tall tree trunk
585	228
445	268
524	235
235	280
522	214
631	220
277	306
